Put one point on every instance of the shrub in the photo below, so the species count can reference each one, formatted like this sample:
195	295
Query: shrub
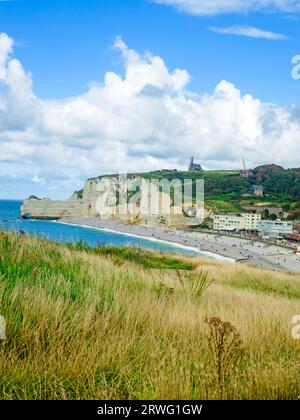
225	345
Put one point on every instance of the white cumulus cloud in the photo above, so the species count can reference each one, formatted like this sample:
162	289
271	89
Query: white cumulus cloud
214	7
6	46
143	119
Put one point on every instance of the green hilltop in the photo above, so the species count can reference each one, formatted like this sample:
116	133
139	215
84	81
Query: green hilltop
228	191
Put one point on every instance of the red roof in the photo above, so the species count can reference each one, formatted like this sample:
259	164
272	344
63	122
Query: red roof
292	236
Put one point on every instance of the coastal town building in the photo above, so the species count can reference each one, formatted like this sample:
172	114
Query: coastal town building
258	190
226	223
245	221
275	228
292	237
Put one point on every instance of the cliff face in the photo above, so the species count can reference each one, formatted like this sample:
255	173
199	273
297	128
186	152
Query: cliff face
79	205
99	199
49	209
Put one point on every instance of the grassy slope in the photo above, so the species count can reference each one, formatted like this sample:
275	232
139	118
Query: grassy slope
85	325
225	202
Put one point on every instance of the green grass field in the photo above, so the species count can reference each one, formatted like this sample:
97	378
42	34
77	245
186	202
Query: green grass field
114	323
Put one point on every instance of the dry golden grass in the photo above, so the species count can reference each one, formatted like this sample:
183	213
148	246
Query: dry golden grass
82	326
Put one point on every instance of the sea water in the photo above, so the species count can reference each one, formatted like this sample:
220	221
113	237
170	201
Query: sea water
59	232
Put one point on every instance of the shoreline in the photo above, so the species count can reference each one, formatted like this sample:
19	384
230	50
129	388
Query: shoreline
204	254
219	247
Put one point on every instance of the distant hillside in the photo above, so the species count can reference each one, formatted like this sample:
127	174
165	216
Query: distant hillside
267	169
227	191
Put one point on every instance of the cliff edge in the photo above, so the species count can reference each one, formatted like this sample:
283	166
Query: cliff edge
99	199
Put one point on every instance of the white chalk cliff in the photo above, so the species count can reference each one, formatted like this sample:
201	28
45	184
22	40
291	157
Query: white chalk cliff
100	198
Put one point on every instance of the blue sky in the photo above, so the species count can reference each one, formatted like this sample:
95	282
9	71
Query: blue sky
77	101
66	44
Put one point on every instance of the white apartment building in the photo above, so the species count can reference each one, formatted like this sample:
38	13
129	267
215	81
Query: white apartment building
275	228
245	221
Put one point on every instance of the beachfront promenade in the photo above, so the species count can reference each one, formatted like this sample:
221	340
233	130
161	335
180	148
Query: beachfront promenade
247	251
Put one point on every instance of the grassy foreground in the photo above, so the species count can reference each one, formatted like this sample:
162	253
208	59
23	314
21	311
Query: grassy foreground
88	324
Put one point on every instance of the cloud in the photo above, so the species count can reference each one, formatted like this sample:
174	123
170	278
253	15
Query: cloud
141	120
215	7
6	46
250	32
37	180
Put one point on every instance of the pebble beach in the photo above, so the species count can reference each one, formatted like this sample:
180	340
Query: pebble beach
222	247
